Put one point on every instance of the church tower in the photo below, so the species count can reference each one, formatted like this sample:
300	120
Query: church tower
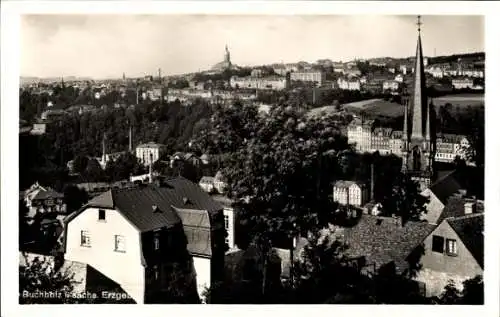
227	56
418	133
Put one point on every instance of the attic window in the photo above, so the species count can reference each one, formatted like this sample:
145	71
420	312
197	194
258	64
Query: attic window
185	200
155	208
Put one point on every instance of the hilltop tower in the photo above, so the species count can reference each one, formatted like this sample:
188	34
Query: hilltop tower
418	133
227	57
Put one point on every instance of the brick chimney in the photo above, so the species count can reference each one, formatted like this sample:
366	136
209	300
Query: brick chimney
470	207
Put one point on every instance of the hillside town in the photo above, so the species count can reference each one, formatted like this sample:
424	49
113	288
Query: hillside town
340	182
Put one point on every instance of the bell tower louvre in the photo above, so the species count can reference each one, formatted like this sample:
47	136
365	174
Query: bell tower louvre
418	131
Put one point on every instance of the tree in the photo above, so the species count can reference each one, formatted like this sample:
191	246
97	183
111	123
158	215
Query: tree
280	166
405	200
74	197
471	294
93	172
323	273
39	275
80	163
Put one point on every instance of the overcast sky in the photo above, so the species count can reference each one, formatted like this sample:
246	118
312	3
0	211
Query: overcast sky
102	46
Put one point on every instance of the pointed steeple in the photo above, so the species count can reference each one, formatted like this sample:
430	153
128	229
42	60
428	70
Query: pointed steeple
428	122
419	101
405	121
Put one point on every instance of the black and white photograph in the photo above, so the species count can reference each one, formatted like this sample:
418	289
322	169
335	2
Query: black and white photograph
251	159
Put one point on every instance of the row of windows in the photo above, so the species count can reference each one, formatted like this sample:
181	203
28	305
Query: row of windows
85	241
119	240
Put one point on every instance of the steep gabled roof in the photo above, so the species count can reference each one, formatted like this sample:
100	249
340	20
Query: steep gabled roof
455	207
381	240
470	229
46	194
445	186
136	203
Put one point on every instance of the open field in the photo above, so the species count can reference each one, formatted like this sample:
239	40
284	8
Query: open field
462	100
376	107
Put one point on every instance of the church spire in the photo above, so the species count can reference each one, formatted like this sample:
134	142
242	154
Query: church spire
428	122
418	100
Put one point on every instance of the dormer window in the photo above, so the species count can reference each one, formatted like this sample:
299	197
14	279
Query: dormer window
102	215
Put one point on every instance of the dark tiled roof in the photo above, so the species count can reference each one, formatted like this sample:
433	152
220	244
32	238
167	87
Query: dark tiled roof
136	203
455	208
470	230
46	194
381	240
178	201
445	186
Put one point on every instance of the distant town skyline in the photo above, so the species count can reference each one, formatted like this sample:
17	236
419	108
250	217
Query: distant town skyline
106	46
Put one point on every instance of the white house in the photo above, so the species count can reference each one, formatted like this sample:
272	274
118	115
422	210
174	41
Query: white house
133	236
207	183
149	153
350	193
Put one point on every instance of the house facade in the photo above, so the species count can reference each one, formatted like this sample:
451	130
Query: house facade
43	200
149	153
453	252
350	193
137	236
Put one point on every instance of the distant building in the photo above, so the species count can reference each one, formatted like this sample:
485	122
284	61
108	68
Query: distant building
450	146
359	132
463	83
381	140
350	193
348	84
43	200
52	115
148	153
309	76
225	64
390	85
256	73
207	183
272	82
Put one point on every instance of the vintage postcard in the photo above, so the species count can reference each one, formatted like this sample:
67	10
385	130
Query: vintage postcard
189	158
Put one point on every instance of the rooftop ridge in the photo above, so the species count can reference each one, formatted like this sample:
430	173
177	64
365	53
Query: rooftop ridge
477	214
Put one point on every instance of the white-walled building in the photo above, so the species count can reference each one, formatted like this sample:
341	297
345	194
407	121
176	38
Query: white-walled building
272	82
350	193
348	84
309	76
462	83
148	153
391	85
134	235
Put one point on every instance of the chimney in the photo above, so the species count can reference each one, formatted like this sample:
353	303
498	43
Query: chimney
469	208
372	182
